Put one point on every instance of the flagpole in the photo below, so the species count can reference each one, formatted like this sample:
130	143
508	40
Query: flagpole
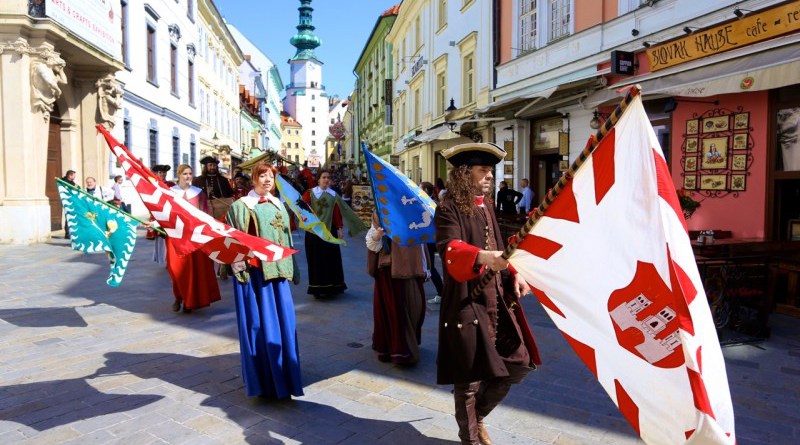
67	184
537	213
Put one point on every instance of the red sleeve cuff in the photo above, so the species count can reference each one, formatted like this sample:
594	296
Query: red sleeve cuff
460	260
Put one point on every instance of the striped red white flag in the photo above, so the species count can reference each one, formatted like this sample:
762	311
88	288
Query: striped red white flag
188	227
612	264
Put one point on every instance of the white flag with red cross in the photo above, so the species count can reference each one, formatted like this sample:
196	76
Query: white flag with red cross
612	264
188	227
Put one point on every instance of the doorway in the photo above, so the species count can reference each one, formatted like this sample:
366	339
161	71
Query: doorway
544	172
54	169
783	190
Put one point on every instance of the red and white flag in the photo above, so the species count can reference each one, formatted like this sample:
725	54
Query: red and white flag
612	264
188	227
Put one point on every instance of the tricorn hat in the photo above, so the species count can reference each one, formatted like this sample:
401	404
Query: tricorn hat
209	160
474	153
161	168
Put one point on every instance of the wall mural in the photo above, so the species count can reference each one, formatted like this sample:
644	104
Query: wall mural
717	152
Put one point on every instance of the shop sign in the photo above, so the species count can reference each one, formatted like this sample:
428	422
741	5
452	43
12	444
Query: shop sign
622	63
749	29
95	22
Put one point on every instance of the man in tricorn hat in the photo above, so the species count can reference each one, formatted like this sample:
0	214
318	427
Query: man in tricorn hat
217	188
482	349
161	171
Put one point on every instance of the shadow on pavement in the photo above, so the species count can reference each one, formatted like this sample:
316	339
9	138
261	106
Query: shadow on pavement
43	317
45	405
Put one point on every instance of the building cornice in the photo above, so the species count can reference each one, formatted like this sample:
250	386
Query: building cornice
141	102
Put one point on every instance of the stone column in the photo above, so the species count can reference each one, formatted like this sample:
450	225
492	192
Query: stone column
32	82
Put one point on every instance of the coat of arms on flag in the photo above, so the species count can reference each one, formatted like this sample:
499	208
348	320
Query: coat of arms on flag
96	226
611	262
405	211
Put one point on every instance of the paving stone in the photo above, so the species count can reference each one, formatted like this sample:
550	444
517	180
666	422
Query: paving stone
118	366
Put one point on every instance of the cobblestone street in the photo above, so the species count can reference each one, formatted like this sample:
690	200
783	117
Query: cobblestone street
84	363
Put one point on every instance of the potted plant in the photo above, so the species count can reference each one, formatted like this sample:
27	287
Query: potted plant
688	204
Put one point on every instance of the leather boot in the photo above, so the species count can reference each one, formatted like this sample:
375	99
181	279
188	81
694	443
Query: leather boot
464	397
483	435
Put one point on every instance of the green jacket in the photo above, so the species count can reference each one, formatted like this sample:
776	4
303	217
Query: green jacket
271	223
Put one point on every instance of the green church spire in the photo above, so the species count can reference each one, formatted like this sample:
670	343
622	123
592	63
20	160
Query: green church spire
305	41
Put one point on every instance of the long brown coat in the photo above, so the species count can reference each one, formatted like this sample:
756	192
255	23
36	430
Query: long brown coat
466	352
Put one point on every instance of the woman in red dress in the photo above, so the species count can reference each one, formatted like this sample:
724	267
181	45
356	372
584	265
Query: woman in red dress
194	282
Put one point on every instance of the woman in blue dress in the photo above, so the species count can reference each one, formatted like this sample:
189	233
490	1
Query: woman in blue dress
264	306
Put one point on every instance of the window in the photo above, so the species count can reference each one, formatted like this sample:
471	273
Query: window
126	129
151	54
124	26
313	132
296	158
313	119
527	25
193	153
441	20
176	152
559	19
296	145
313	143
441	93
189	10
173	69
418	32
191	82
469	78
417	106
153	146
313	109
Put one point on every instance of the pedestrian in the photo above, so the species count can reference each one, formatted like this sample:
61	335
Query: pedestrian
69	178
526	203
507	199
440	189
160	244
398	297
428	188
264	306
481	351
97	191
325	273
117	189
216	187
194	283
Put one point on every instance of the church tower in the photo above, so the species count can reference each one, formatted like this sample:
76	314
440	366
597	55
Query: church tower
306	100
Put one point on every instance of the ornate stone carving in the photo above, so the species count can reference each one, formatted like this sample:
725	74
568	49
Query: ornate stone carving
174	33
191	51
47	76
109	99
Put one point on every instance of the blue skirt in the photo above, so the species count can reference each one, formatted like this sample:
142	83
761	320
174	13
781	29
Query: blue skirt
267	337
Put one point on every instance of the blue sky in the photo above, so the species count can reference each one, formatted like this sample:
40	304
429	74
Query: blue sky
342	25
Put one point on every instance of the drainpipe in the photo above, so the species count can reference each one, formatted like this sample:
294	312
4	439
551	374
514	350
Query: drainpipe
357	137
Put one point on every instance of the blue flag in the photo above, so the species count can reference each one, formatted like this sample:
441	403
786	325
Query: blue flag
306	218
96	226
405	211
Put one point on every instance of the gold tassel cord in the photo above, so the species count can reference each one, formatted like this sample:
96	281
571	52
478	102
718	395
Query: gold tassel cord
551	195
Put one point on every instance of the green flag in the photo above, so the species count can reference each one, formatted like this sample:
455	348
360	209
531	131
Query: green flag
96	226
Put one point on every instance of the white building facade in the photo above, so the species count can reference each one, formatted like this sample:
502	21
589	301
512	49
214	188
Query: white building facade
159	120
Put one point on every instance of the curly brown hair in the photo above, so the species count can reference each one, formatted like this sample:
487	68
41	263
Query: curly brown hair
461	190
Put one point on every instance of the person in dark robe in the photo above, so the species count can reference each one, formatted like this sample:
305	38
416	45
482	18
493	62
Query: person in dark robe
69	178
325	273
485	345
398	296
264	306
507	199
216	187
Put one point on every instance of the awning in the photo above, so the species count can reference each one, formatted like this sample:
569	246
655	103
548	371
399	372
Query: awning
764	70
433	133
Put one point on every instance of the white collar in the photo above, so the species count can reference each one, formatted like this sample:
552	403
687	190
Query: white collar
189	193
318	192
252	199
